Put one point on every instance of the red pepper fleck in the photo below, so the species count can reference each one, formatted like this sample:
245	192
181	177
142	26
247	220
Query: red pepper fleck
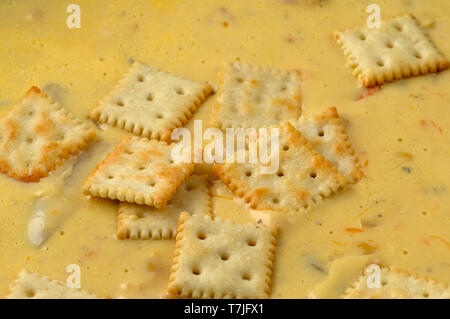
368	92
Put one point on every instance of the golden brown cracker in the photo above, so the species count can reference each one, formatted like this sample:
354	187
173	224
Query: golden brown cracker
138	171
327	134
303	179
37	135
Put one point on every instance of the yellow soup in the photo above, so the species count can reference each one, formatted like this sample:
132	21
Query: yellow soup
397	215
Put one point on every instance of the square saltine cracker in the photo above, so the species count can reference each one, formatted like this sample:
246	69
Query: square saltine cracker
138	171
303	179
399	49
37	135
220	259
254	96
150	102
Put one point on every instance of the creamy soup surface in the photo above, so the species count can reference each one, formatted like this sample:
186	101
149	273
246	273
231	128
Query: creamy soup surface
397	215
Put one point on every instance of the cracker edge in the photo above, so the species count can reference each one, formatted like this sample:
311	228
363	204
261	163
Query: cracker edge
36	173
25	272
106	192
371	82
98	115
355	284
172	291
123	233
236	186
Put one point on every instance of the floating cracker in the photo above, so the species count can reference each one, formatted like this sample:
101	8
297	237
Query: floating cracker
253	96
138	171
150	102
395	284
143	222
216	259
327	134
33	286
303	179
399	49
37	135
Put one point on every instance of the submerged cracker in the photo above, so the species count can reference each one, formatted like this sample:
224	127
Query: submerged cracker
139	171
399	49
33	286
253	96
217	259
150	102
303	179
227	205
144	222
395	284
37	135
327	134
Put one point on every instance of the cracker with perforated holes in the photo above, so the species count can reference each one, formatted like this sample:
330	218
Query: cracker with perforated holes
303	179
396	284
34	286
327	134
217	259
399	49
37	135
254	96
138	171
144	222
150	102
